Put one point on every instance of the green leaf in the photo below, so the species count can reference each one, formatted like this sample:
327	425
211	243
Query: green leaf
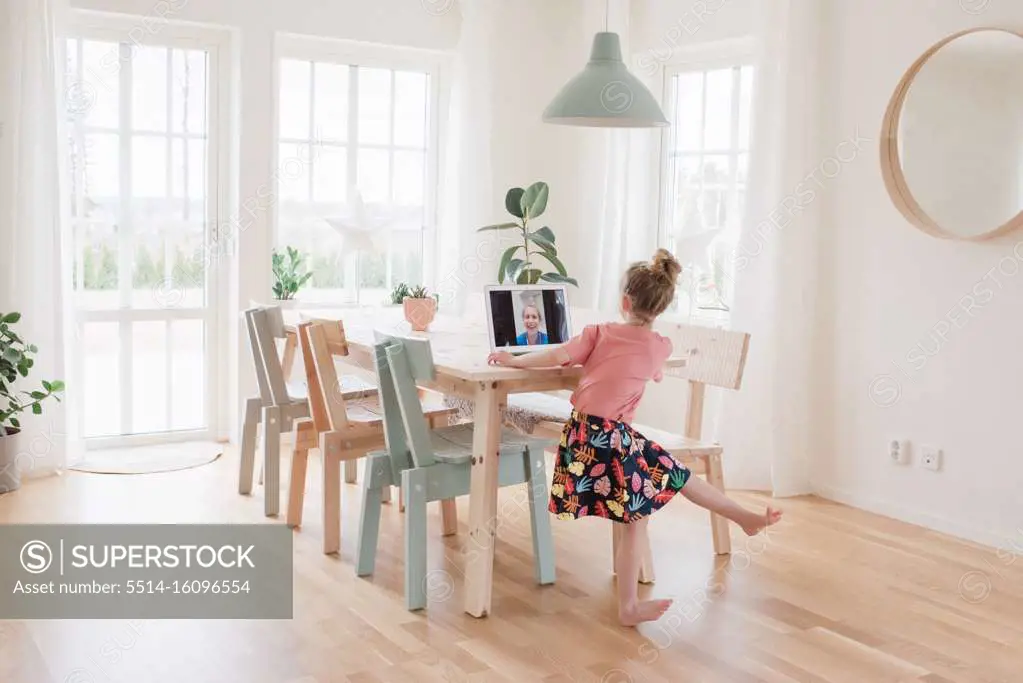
505	260
539	239
534	276
534	201
561	279
513	201
47	385
514	266
555	261
15	423
32	348
37	409
546	233
523	278
56	386
11	318
499	226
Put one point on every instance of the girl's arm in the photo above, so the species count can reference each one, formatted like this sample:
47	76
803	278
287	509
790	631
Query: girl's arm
552	358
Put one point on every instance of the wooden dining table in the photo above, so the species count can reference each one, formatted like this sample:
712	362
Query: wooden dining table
460	349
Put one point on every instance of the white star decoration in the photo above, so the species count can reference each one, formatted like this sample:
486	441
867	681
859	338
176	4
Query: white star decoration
367	226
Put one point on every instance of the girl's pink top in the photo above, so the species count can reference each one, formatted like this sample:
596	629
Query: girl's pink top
618	360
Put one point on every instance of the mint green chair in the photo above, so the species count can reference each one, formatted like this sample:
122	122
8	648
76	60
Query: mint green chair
435	465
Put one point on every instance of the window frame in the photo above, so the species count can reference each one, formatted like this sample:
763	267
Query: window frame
219	43
726	54
435	63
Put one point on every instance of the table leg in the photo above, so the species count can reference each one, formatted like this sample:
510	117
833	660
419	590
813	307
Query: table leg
479	559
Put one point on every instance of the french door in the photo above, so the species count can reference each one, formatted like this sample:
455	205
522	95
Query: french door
144	114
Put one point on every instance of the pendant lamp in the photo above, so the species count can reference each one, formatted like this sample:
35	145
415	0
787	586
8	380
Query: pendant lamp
605	94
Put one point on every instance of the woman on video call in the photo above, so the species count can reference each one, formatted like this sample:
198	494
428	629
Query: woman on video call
533	335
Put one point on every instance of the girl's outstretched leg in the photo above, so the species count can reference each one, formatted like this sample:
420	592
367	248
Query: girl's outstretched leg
630	610
707	496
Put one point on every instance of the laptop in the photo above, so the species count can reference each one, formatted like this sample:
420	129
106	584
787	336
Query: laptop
524	318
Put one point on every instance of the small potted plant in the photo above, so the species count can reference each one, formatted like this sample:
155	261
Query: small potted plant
15	362
398	294
290	275
420	308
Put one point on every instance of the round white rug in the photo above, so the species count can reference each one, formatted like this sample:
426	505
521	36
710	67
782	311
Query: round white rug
149	459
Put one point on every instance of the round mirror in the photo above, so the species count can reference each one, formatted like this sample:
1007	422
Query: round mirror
952	140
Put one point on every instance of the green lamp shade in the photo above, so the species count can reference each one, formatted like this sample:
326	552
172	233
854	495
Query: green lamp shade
605	94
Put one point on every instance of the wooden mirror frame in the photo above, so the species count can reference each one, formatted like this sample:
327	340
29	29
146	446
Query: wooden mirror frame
891	166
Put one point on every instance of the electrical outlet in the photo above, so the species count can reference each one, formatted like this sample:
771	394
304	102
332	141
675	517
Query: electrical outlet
898	451
930	458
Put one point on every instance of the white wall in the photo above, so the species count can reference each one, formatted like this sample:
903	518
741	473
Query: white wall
925	332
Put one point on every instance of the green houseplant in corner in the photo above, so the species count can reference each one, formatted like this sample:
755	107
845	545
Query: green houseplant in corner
289	272
537	246
15	362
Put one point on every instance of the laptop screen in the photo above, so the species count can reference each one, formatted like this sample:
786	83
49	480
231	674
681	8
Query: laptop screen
522	316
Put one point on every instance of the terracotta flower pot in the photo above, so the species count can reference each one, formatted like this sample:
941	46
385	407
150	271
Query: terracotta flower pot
420	312
10	475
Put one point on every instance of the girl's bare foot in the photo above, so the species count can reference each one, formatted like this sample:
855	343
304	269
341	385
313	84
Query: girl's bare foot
644	610
758	523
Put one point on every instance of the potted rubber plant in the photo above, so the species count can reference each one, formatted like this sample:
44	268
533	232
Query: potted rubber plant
290	274
16	360
420	308
527	267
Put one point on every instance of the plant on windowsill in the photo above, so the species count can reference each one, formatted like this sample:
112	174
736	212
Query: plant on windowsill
420	308
525	268
290	274
398	294
15	362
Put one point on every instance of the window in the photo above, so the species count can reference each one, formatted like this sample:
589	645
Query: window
143	198
704	167
356	169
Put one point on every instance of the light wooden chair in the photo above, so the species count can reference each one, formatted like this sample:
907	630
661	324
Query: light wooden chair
278	408
346	426
433	465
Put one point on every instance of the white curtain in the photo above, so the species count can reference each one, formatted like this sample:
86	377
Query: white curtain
33	250
767	428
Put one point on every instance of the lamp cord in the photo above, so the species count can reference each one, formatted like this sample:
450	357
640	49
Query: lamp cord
607	12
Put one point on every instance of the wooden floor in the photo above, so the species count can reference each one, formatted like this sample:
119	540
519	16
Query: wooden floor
832	594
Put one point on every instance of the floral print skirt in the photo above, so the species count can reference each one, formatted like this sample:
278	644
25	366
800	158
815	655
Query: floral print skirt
605	468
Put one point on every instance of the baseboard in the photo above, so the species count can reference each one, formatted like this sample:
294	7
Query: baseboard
967	532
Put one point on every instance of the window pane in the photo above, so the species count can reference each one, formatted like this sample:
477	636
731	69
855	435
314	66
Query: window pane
719	109
716	170
407	258
374	175
745	106
148	167
97	254
149	89
102	169
294	101
293	172
187	352
689	111
743	170
100	89
149	380
409	178
330	175
374	106
331	102
410	113
101	390
189	91
197	170
373	276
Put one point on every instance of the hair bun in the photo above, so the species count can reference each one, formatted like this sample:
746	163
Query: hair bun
664	263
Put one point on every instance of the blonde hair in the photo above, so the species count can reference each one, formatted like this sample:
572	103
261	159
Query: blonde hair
650	285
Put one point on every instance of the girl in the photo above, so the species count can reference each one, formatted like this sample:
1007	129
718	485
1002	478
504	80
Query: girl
604	466
533	334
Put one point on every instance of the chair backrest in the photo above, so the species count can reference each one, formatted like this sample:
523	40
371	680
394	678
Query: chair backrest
401	361
713	356
321	340
265	325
